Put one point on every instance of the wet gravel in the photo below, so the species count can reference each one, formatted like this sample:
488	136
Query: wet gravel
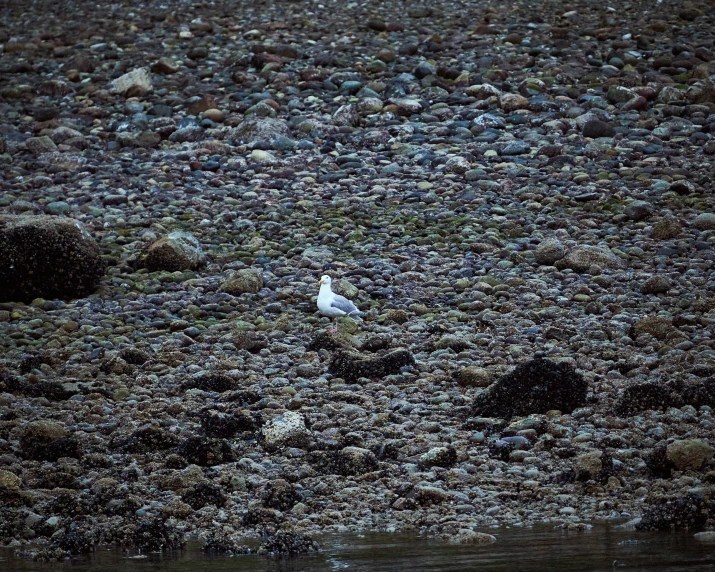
490	184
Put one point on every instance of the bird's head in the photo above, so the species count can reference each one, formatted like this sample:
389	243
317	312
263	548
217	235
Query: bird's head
325	280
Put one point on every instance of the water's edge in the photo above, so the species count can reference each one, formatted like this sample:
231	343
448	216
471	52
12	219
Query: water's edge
604	547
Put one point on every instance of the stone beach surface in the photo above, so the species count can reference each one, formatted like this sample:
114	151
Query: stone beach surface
519	196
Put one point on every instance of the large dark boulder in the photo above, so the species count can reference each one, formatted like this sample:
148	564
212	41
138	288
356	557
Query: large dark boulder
653	395
146	439
283	544
689	512
47	257
536	386
154	535
647	396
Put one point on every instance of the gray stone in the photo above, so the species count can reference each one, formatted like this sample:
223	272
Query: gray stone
58	207
246	281
468	536
177	251
39	145
457	164
581	258
639	210
549	251
473	376
705	221
258	129
689	454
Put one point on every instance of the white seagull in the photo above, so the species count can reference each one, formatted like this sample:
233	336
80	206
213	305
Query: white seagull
333	305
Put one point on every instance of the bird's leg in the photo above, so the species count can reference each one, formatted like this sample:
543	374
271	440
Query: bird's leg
333	328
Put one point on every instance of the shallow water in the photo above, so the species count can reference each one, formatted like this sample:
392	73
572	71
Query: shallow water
543	548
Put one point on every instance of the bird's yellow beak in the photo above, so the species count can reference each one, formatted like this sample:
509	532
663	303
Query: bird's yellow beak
321	281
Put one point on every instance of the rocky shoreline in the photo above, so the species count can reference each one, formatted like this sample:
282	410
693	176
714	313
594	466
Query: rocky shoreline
519	197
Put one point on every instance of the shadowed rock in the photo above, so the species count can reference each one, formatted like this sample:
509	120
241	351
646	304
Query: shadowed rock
226	424
204	494
214	381
47	257
281	495
647	396
349	461
155	535
287	544
47	441
146	440
691	512
536	386
351	366
206	452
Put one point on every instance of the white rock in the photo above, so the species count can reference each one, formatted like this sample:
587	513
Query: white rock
139	77
483	91
264	157
707	536
287	429
468	536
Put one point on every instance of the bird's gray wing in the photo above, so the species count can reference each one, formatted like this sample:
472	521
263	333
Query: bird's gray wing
344	305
